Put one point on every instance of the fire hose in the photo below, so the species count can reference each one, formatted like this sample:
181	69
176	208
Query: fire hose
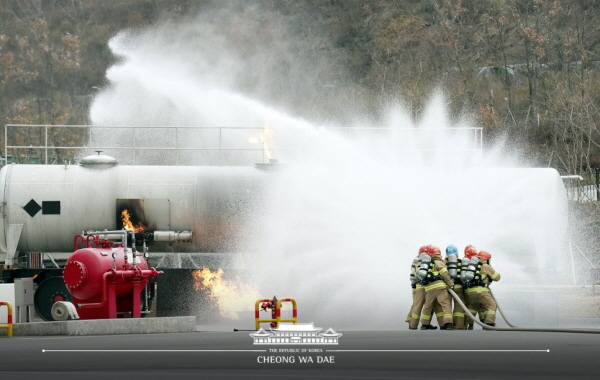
513	327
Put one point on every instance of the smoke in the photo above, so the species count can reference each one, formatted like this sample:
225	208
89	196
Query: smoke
346	213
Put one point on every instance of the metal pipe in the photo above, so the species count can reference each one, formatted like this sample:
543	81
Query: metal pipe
136	272
515	328
158	236
111	235
145	308
75	240
172	236
104	296
151	273
51	259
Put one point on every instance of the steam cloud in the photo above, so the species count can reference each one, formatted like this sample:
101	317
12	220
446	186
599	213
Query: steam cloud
347	215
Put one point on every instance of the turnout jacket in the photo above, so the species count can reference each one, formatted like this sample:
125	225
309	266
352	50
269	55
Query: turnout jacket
439	269
488	274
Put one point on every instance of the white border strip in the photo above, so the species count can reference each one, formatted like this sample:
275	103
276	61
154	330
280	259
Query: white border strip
49	351
44	350
547	350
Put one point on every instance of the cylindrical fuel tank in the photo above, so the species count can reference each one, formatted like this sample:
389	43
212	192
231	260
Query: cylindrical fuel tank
85	267
53	203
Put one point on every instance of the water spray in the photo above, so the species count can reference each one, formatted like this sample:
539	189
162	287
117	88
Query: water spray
348	205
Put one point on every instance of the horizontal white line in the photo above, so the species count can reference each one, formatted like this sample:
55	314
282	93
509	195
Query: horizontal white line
133	351
547	350
44	350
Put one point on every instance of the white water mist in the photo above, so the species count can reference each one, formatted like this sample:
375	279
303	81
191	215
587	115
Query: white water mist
348	210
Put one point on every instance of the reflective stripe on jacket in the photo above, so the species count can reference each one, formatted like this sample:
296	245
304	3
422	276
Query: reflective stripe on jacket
488	272
477	289
439	269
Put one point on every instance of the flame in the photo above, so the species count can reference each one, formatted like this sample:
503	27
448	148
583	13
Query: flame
267	138
128	224
231	296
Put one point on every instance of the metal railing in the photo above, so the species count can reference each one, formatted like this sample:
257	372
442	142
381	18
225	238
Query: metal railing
57	144
579	191
171	145
9	324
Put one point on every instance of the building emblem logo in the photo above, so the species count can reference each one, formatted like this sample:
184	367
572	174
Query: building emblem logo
296	333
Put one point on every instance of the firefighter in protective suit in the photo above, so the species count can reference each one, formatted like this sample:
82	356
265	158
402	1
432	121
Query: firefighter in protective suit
436	290
470	252
418	293
413	280
454	265
478	294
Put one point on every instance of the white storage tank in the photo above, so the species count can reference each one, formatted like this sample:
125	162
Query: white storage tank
45	206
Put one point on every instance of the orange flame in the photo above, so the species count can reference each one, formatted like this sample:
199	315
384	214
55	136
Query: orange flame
128	224
267	138
231	296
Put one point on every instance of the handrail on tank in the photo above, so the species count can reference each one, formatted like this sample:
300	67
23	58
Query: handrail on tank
277	306
9	325
76	240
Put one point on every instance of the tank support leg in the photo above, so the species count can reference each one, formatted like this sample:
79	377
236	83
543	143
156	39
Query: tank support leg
112	300
138	286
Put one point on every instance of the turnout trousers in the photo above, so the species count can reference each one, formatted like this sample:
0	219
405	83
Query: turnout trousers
442	297
458	314
417	306
481	300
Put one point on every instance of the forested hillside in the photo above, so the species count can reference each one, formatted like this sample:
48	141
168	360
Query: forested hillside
526	70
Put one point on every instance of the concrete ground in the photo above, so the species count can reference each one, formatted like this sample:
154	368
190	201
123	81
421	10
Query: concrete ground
221	353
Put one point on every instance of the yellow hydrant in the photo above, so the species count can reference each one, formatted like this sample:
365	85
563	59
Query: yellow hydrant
9	325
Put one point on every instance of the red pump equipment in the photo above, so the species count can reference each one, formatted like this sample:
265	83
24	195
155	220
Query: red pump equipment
106	279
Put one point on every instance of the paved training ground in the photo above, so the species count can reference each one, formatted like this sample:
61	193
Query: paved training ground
225	354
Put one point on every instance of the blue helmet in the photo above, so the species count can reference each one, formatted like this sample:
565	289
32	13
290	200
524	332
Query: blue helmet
451	250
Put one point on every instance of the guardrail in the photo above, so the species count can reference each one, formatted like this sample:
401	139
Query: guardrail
151	145
181	145
276	312
579	191
9	325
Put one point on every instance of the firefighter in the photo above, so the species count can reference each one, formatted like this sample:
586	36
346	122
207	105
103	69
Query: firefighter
413	281
436	289
478	294
454	266
419	289
470	252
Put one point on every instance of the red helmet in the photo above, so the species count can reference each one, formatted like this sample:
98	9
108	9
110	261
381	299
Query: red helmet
470	251
484	255
433	250
424	249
